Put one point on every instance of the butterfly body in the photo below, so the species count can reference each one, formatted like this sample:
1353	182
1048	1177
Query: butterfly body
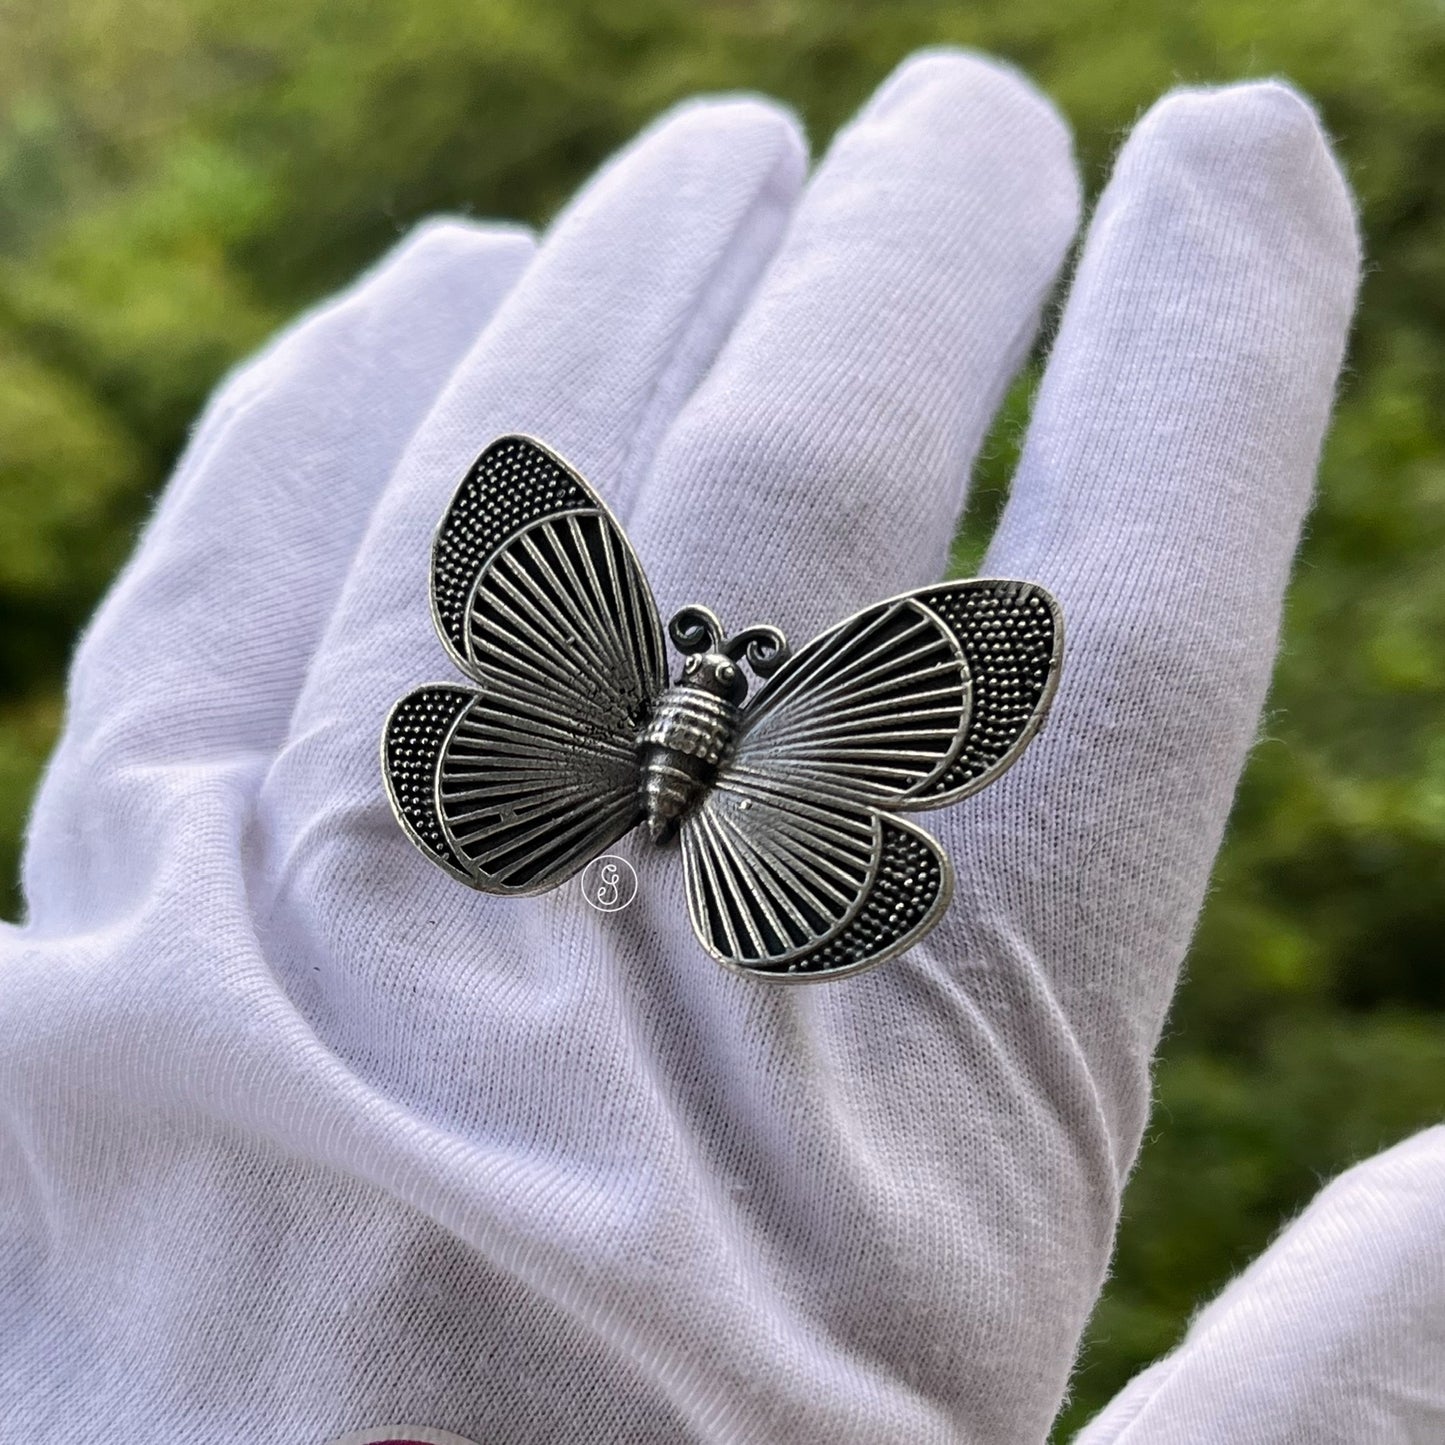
790	804
687	739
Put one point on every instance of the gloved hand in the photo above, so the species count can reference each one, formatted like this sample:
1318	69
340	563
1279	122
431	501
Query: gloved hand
302	1136
1334	1336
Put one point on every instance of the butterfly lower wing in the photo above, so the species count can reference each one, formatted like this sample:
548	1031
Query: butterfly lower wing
411	748
491	814
540	599
912	887
773	873
524	806
798	888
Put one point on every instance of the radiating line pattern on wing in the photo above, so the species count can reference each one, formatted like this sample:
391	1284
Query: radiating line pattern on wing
542	771
790	851
801	893
525	805
907	705
559	629
913	882
772	870
874	709
563	605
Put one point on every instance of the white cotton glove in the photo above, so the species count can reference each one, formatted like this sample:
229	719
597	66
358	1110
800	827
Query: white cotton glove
300	1136
1335	1336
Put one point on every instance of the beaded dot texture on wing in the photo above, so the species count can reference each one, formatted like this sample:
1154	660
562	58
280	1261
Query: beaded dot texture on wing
1008	642
783	779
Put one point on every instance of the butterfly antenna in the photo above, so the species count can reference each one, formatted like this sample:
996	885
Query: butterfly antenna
765	647
695	629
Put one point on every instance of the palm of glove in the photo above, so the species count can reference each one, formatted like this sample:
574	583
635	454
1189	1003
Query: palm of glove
604	1180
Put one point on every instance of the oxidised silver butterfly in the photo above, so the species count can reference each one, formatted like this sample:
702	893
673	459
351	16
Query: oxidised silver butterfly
797	865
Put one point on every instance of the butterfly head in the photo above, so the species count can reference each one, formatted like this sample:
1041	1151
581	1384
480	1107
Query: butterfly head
714	660
717	673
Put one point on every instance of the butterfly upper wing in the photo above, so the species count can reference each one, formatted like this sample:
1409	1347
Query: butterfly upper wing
872	710
794	867
540	599
1012	637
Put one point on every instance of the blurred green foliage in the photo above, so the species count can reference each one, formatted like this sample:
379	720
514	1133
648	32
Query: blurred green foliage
178	176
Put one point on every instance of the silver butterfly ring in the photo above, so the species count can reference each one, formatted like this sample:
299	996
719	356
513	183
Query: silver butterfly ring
787	804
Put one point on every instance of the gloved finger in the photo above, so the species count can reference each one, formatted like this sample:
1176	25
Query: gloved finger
622	310
196	656
823	462
1337	1332
212	622
1160	495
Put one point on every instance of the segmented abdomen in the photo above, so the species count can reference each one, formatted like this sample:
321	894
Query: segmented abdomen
681	748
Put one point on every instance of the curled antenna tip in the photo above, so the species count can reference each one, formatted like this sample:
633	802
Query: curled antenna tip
766	649
695	629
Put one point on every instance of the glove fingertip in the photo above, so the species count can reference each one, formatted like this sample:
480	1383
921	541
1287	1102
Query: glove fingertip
442	239
1261	141
744	131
